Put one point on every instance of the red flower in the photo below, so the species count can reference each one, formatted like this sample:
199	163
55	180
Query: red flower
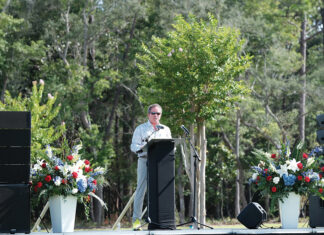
322	168
269	177
44	165
87	169
35	189
320	175
305	156
64	181
274	189
39	184
307	179
94	182
70	157
265	170
86	162
93	190
258	177
56	168
320	190
273	155
300	165
74	175
48	178
300	178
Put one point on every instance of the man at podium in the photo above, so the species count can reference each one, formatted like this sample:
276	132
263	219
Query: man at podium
152	129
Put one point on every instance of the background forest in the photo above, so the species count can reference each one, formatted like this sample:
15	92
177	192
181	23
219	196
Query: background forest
80	65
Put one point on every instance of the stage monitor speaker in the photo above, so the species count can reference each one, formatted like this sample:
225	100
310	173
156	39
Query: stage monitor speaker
316	212
14	208
161	191
252	216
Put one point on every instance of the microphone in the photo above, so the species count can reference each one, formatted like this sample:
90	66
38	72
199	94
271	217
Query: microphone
158	127
185	129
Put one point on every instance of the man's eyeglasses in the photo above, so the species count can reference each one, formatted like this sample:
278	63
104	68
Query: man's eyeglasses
153	113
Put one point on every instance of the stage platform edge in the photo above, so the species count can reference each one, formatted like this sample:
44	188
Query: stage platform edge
192	231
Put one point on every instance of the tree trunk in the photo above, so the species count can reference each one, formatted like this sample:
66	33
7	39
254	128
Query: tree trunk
322	15
4	87
181	194
98	211
192	160
237	153
203	148
302	104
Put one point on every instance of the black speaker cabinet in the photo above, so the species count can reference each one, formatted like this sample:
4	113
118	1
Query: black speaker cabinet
252	216
320	121
15	120
14	208
316	212
161	192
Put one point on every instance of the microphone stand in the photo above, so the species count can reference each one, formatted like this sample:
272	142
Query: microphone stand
193	218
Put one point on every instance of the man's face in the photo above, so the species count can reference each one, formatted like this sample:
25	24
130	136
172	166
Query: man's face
155	115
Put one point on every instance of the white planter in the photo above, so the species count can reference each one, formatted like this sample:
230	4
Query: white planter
62	211
289	211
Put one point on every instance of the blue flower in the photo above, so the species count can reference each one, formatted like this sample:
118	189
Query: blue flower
92	186
97	173
289	180
318	151
82	185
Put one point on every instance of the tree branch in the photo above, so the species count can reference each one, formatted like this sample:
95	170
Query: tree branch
261	132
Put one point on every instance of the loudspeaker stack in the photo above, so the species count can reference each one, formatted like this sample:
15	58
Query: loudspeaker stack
15	141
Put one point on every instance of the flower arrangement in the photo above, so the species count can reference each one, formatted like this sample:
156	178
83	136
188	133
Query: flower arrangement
280	173
70	175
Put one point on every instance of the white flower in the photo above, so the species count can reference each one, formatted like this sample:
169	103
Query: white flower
180	49
48	151
172	51
57	182
49	95
170	54
293	165
41	81
272	168
276	180
282	170
254	176
74	190
310	161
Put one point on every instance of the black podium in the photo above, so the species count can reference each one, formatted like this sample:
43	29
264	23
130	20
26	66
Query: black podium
160	184
15	141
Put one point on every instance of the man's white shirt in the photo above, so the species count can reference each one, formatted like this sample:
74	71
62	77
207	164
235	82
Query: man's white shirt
144	133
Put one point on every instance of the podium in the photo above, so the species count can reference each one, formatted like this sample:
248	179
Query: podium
160	184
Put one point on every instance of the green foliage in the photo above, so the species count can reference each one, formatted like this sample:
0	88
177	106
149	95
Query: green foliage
97	151
193	70
42	115
17	57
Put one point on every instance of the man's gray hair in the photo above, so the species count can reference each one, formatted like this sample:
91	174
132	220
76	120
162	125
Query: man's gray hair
152	106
